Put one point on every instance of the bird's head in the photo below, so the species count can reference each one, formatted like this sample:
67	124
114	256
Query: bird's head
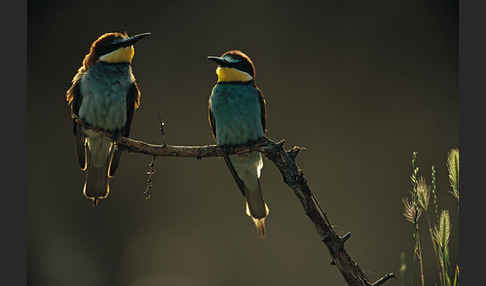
113	48
234	66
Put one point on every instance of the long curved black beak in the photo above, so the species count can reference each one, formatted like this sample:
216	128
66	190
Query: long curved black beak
132	40
219	60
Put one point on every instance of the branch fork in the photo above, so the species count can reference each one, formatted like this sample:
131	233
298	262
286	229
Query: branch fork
292	175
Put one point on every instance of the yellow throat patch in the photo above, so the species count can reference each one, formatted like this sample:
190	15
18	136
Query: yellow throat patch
122	55
232	74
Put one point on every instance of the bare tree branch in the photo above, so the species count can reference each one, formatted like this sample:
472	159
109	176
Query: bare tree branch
292	176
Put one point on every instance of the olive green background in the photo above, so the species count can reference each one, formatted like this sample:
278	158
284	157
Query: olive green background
360	84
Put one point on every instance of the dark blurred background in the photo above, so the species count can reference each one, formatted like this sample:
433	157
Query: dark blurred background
361	84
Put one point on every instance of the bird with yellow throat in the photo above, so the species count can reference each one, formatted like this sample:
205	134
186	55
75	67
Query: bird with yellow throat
237	115
104	95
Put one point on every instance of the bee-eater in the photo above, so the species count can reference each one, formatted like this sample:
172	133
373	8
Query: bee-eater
237	115
104	95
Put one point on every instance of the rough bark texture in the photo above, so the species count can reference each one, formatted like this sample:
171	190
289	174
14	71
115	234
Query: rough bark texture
284	160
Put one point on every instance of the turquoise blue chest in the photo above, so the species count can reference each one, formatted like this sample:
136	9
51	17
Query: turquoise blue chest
237	113
104	90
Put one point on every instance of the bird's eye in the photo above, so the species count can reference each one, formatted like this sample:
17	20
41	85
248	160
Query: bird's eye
231	59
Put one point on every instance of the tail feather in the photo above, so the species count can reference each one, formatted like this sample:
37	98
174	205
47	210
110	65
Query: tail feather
259	222
248	169
97	178
254	198
96	185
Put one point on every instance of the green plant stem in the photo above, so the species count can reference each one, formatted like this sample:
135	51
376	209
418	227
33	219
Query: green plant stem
419	253
456	236
445	275
433	244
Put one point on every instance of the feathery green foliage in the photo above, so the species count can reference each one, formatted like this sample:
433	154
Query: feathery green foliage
441	241
434	193
440	227
423	194
413	208
453	167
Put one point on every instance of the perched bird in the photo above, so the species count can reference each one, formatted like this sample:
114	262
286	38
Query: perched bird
104	95
237	115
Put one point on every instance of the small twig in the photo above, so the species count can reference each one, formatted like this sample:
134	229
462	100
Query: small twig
162	126
151	171
292	176
148	184
345	237
383	279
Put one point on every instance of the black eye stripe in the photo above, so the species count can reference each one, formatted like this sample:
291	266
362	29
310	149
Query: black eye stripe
105	46
239	62
245	66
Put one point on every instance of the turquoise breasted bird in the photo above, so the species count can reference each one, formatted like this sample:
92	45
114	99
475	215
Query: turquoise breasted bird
104	95
237	115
